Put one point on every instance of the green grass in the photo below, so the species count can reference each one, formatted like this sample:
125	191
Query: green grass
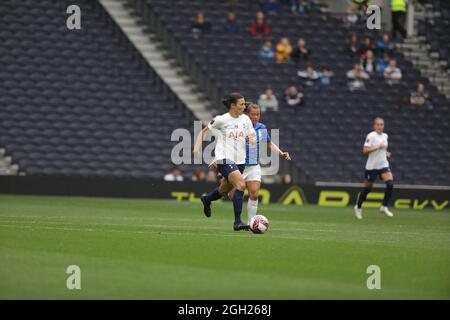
142	249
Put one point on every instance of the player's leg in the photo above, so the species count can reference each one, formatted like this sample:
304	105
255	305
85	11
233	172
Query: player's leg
216	194
237	180
368	185
231	194
388	179
252	175
253	194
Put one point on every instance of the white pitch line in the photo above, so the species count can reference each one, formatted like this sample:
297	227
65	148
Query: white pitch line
372	241
43	220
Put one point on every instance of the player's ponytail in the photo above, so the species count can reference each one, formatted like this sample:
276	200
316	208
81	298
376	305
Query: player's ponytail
232	98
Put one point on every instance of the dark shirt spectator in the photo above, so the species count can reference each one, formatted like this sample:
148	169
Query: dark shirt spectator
259	27
231	25
309	75
271	7
326	76
367	45
300	6
369	64
382	64
267	53
385	45
420	97
353	47
293	97
300	52
200	25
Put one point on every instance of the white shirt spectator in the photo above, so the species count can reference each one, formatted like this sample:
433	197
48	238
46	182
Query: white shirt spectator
392	75
268	102
357	75
172	177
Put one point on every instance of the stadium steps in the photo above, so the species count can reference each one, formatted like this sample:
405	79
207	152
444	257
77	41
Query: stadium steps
153	52
7	167
418	51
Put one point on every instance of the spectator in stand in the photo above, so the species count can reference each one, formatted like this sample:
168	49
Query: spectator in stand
283	50
286	179
267	53
382	64
231	25
367	45
353	48
392	74
259	28
293	97
356	78
369	64
351	19
309	75
300	6
385	45
420	97
211	176
200	25
268	100
300	52
174	175
326	76
199	175
271	7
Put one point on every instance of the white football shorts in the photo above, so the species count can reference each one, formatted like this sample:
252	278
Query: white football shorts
252	173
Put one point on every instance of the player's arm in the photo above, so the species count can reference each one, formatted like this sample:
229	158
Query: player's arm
367	150
199	140
250	133
369	145
276	149
252	138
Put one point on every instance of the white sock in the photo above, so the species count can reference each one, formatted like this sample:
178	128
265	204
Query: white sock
252	207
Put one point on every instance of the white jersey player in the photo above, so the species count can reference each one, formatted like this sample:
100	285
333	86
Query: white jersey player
377	165
232	130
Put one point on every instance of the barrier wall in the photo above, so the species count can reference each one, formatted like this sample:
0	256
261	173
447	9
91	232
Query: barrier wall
331	196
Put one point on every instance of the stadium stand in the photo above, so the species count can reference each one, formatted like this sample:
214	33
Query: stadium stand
84	102
326	135
436	29
81	102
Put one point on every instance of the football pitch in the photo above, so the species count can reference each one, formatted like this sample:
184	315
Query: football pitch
154	249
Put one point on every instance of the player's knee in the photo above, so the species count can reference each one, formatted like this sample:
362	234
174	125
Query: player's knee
240	185
390	184
254	195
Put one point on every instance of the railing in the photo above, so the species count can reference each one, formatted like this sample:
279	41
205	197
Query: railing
181	55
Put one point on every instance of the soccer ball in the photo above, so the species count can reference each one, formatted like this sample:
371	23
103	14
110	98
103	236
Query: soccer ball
259	224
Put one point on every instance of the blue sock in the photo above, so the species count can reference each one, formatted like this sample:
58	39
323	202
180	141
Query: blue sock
238	199
213	196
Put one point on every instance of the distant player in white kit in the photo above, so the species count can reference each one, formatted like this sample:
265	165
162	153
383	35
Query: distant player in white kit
232	130
377	165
